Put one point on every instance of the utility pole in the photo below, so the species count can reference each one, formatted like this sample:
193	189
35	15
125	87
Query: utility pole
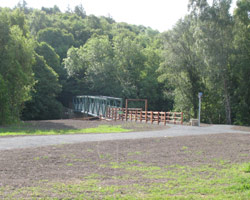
199	96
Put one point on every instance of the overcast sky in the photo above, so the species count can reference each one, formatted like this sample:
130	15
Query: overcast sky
157	14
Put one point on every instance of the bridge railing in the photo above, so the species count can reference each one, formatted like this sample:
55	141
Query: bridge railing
95	105
146	116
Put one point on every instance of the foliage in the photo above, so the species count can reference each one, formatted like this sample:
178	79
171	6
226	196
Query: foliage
51	58
43	104
79	10
200	56
16	60
214	36
5	107
242	60
59	39
122	67
38	20
182	67
206	51
97	56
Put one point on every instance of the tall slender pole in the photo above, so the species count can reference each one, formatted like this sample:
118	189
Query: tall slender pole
199	96
199	112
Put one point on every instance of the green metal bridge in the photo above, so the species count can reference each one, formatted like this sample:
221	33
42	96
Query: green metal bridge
95	105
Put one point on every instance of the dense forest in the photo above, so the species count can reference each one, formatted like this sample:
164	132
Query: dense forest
49	56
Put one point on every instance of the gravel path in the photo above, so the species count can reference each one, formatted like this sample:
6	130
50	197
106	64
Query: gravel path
175	130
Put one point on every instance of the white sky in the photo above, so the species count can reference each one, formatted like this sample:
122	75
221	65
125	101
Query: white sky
157	14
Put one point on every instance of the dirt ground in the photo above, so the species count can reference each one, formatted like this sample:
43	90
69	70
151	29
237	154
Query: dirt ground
81	124
72	162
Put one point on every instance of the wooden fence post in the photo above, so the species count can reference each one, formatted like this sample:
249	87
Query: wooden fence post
115	112
158	118
165	118
122	114
126	114
112	113
152	115
141	116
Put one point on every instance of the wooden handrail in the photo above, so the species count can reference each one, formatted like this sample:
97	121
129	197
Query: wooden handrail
139	115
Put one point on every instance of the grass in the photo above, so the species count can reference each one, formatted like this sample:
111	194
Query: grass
28	130
220	181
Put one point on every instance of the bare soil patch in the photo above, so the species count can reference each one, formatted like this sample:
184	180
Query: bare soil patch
81	124
74	162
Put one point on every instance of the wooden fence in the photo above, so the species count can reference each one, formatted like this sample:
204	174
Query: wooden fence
144	116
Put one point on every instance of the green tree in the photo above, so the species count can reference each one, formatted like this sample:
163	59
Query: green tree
101	70
17	17
78	28
130	62
51	58
182	67
51	11
16	60
59	39
22	5
76	83
214	38
95	59
79	10
5	107
43	104
242	60
150	87
38	20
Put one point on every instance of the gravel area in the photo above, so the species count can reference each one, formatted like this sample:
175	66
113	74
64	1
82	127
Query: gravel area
169	131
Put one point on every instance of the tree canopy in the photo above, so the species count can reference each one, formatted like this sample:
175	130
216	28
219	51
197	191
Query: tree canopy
48	56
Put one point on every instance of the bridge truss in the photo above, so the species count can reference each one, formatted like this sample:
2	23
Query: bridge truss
95	105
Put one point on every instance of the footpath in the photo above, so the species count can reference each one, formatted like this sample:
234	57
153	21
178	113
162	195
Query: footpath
8	143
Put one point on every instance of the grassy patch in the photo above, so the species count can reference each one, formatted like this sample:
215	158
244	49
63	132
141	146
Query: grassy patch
222	181
28	130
